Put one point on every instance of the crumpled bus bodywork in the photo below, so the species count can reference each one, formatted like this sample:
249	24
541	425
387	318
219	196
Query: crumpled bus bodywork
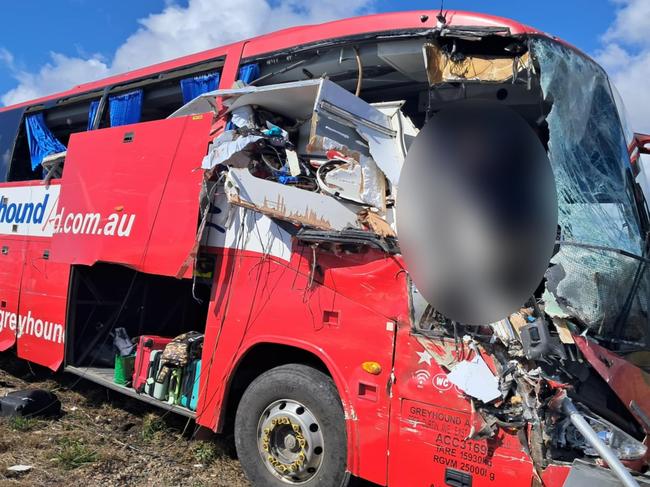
290	185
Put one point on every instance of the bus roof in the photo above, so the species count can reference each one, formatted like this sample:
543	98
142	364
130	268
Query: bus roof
297	36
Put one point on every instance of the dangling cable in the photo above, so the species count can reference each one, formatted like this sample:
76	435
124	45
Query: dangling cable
357	92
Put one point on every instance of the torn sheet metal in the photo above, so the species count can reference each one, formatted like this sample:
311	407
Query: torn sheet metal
355	179
238	228
391	154
289	203
294	100
362	128
230	149
385	151
475	379
341	116
333	113
402	125
243	117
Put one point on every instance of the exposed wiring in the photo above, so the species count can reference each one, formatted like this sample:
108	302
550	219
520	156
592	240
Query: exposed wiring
312	273
357	92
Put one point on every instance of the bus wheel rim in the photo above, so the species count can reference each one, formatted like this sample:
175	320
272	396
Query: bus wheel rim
290	441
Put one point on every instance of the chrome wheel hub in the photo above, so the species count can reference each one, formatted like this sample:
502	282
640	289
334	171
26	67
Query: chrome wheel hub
290	441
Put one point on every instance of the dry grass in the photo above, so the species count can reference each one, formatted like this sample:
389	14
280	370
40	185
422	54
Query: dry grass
105	439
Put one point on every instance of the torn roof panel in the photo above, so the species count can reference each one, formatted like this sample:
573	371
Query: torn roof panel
294	100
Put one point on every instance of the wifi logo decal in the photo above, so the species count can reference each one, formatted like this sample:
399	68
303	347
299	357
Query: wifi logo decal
421	377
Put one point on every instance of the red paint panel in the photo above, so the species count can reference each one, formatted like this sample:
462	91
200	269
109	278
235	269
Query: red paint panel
110	198
556	475
369	24
433	438
261	300
175	228
369	277
431	419
12	257
41	318
628	381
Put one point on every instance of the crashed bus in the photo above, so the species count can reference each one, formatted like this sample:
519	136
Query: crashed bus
241	204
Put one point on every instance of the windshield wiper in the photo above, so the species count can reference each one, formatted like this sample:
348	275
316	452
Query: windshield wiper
625	253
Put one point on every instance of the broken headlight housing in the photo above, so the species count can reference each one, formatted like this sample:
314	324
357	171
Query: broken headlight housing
625	446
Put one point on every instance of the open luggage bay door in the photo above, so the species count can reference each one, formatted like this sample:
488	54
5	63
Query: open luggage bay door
136	202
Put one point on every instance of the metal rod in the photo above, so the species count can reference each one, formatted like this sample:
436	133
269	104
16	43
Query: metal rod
603	450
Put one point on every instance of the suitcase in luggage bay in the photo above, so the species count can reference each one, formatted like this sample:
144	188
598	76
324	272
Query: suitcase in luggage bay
146	344
151	387
159	390
175	384
154	361
190	392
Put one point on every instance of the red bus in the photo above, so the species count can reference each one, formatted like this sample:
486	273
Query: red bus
261	216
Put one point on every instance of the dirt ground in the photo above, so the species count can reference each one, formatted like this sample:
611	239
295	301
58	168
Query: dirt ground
106	439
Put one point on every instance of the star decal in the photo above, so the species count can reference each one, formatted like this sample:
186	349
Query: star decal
425	357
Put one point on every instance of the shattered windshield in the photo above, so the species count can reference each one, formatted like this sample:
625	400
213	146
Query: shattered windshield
603	290
587	149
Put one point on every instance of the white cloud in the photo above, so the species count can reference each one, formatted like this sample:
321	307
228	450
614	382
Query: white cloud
631	23
626	57
62	72
176	31
6	57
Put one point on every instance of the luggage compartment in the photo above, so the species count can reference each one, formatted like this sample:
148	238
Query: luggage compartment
152	308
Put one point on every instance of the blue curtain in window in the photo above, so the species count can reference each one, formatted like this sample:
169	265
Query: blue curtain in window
197	85
92	111
249	72
41	141
125	109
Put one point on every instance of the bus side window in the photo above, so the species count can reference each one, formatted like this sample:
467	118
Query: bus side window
20	167
52	129
10	122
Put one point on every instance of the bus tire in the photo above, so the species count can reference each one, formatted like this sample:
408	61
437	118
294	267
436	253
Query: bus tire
290	429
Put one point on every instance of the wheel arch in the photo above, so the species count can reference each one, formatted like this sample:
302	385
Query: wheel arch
267	354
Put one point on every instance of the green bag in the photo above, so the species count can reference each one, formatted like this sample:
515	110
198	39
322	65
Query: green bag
123	374
175	382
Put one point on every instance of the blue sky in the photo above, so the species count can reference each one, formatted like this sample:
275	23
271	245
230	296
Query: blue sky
72	41
79	27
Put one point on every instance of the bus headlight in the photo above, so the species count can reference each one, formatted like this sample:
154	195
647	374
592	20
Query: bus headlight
625	446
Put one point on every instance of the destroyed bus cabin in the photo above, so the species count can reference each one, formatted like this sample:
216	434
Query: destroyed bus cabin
217	236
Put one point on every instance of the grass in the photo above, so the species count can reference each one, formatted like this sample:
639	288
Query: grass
152	425
21	423
74	454
205	452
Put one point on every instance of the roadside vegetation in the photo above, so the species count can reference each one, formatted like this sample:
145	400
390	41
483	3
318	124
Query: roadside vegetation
105	439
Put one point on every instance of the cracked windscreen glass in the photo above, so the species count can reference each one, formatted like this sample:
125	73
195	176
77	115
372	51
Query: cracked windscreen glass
595	280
